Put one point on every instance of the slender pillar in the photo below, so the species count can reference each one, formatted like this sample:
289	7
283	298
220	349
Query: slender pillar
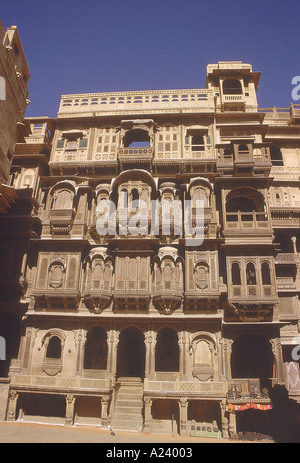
112	342
232	424
183	346
183	406
147	414
12	406
150	343
70	408
104	410
225	426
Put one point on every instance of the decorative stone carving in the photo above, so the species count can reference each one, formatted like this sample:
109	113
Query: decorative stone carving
99	280
57	270
203	350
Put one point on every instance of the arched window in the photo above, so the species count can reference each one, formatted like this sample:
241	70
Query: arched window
135	195
56	274
54	348
167	351
232	87
201	274
200	194
64	200
251	274
123	199
276	156
265	273
235	274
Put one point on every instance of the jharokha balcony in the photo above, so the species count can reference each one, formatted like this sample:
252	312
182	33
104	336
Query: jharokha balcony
246	221
244	159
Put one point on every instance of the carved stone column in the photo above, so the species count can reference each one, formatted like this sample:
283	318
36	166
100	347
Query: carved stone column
183	406
80	339
294	241
112	344
12	406
70	408
227	350
150	343
183	348
225	426
232	424
277	351
147	414
104	410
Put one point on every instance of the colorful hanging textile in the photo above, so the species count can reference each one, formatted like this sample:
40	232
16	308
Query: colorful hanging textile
247	406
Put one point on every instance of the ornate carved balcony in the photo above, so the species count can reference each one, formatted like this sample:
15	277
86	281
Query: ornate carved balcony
97	299
234	161
136	155
61	221
167	300
56	299
246	223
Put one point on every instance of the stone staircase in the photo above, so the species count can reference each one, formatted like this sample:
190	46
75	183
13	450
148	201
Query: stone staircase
128	410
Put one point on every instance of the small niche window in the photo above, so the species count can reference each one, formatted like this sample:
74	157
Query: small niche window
135	195
243	149
251	274
198	143
60	144
236	274
265	273
83	143
72	145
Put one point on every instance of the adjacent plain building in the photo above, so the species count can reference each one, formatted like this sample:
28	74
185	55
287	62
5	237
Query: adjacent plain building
120	315
14	77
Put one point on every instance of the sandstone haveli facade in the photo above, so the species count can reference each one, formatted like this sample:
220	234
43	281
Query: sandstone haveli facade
139	327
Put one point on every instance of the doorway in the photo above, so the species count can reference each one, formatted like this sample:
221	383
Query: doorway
131	354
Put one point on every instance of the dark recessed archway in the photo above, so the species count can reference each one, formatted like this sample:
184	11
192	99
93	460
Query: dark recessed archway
131	354
252	357
167	351
95	355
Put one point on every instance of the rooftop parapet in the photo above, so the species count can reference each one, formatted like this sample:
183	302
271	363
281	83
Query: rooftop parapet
154	101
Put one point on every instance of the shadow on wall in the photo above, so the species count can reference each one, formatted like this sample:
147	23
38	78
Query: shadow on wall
281	424
285	416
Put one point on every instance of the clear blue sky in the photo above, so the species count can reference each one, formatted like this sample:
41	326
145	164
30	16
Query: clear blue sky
78	46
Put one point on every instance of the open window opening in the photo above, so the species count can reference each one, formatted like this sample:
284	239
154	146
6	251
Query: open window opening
136	138
232	87
276	156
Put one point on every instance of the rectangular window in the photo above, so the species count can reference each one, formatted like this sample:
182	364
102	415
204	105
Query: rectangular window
83	142
60	144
